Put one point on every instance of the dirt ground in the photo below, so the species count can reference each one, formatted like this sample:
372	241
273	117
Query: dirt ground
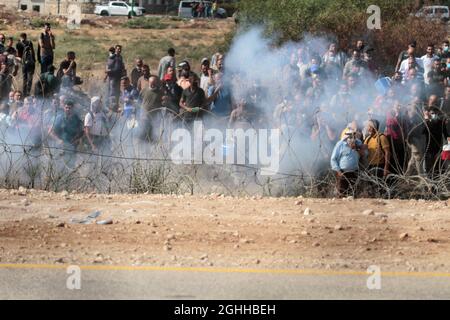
221	231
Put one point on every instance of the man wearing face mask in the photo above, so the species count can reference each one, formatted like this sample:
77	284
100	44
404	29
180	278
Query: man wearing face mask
445	50
435	132
345	162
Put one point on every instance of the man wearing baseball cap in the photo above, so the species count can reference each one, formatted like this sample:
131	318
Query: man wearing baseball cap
345	162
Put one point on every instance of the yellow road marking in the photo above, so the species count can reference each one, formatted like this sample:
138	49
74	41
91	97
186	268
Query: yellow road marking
230	270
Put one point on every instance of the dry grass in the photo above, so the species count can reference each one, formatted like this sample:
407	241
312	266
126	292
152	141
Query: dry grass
192	40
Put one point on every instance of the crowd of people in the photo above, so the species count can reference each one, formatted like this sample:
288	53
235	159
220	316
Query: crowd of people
204	9
362	119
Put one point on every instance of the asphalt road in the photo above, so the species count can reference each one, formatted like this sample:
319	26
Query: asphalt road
109	282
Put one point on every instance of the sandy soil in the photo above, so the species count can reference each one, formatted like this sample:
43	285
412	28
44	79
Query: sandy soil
220	231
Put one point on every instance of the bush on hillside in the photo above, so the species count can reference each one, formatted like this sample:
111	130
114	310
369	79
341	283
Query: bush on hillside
344	21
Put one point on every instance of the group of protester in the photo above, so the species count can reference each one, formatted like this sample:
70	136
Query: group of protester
204	9
399	127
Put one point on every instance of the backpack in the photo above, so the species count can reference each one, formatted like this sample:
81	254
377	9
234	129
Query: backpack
28	54
378	137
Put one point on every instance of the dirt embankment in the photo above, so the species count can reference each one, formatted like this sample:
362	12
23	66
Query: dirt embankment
222	231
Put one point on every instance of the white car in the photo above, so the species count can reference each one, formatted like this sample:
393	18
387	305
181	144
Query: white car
118	8
434	13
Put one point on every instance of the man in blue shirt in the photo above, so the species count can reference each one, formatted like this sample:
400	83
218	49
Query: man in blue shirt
345	162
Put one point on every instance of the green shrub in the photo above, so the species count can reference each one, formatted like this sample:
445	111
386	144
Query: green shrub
345	21
146	23
40	22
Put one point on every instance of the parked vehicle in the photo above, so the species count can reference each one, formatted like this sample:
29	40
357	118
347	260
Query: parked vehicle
434	13
118	8
185	9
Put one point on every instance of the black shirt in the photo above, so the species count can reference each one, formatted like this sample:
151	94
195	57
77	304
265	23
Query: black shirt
195	98
27	46
64	65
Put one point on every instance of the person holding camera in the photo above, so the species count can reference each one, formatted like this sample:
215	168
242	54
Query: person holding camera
345	162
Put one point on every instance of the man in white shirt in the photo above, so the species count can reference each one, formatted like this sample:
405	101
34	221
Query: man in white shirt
206	79
411	62
428	62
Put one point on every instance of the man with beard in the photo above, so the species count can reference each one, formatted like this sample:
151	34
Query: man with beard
152	99
193	101
137	72
437	78
142	82
356	66
171	90
333	62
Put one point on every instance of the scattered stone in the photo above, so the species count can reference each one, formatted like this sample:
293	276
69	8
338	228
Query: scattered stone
403	236
61	225
293	241
25	202
105	222
167	247
305	233
338	227
131	211
368	212
298	203
170	237
60	260
204	257
307	212
420	229
22	191
432	240
98	259
257	261
316	244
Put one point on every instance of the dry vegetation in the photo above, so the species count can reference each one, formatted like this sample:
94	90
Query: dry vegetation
149	38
